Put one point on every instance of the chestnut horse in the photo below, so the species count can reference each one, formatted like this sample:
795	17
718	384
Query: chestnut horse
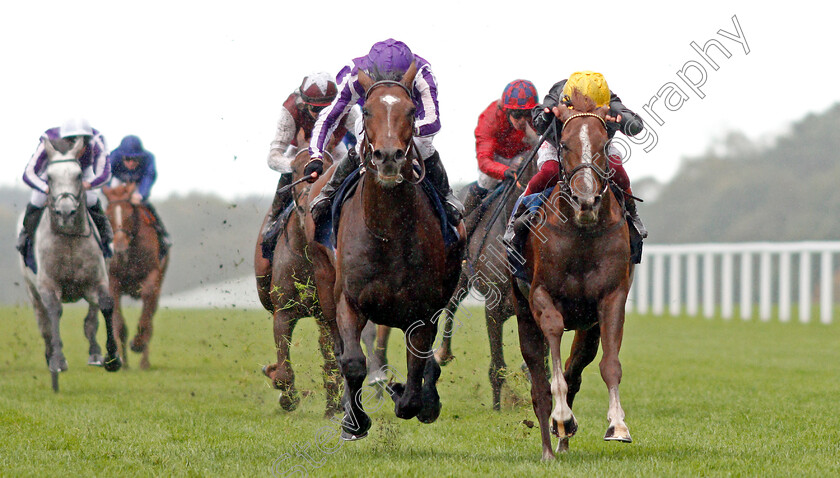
485	271
391	265
292	296
578	259
136	270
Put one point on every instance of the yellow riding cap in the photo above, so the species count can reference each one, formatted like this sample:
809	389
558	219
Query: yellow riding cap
591	84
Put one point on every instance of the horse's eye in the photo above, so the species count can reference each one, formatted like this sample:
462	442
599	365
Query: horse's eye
365	112
563	146
411	112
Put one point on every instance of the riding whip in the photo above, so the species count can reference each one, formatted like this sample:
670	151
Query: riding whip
314	175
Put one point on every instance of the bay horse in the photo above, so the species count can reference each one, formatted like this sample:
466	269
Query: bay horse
70	264
136	270
486	270
391	265
577	256
291	295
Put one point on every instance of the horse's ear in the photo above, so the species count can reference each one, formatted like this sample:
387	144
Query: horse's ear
365	80
565	113
78	145
603	111
408	78
131	187
48	147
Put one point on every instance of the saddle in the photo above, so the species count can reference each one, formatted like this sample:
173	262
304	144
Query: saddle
326	230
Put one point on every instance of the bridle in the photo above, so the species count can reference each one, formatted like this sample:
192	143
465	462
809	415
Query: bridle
367	147
569	174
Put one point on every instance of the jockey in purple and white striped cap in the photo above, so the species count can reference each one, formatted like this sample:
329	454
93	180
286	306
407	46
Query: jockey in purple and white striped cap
385	58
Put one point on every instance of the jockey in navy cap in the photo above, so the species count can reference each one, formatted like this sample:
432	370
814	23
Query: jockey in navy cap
386	59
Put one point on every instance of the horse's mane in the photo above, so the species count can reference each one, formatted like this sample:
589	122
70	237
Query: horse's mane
376	74
582	103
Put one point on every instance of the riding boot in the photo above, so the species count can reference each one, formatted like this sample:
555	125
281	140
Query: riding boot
475	195
320	206
31	218
637	230
515	231
106	234
164	241
437	176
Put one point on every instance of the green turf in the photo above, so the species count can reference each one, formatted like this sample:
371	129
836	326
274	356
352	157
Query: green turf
702	397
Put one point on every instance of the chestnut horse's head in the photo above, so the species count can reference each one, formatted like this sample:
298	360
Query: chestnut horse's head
388	115
582	151
121	213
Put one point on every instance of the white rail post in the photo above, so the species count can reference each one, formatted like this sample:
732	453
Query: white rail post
708	285
746	285
764	301
784	287
659	284
691	285
642	285
805	286
727	272
826	302
674	295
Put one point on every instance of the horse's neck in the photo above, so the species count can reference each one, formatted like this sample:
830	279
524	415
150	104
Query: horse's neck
388	209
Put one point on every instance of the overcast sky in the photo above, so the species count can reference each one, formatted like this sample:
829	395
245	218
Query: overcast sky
201	83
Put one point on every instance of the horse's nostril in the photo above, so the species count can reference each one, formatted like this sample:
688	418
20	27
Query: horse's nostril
400	154
377	155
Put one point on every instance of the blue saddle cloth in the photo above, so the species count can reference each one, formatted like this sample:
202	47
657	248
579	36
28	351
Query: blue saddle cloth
327	230
275	231
531	203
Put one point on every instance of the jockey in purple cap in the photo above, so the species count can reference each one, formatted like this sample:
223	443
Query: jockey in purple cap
388	59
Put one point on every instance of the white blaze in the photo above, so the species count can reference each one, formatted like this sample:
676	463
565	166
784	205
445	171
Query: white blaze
389	101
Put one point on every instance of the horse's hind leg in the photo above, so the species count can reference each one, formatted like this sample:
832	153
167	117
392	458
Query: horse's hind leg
443	354
584	350
149	294
612	331
431	400
118	320
106	304
91	327
495	318
378	361
332	377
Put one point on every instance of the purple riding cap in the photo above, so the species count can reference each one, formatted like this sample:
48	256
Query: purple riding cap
384	57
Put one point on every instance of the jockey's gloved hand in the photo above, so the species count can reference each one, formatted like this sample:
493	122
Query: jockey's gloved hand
510	174
543	120
315	165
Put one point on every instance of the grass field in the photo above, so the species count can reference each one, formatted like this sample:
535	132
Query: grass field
703	398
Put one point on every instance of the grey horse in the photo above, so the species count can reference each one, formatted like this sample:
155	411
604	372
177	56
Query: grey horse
70	264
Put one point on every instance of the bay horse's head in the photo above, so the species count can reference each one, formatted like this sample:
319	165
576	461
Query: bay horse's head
300	193
388	115
64	179
582	151
122	214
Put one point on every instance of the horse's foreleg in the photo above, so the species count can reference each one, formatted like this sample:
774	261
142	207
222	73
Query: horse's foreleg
353	367
53	309
117	319
106	304
332	377
149	294
611	311
584	350
91	327
408	403
282	374
550	321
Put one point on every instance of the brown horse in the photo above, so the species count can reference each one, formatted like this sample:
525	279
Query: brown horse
578	259
292	296
136	270
485	271
391	265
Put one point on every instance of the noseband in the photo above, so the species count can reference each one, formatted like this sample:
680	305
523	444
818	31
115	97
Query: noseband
367	147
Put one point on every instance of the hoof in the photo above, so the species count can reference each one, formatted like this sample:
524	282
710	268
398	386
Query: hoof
95	360
429	414
619	433
569	429
58	365
562	445
377	378
136	346
112	364
443	359
350	437
289	400
395	390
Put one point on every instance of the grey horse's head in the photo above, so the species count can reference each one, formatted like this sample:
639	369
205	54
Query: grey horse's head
66	194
